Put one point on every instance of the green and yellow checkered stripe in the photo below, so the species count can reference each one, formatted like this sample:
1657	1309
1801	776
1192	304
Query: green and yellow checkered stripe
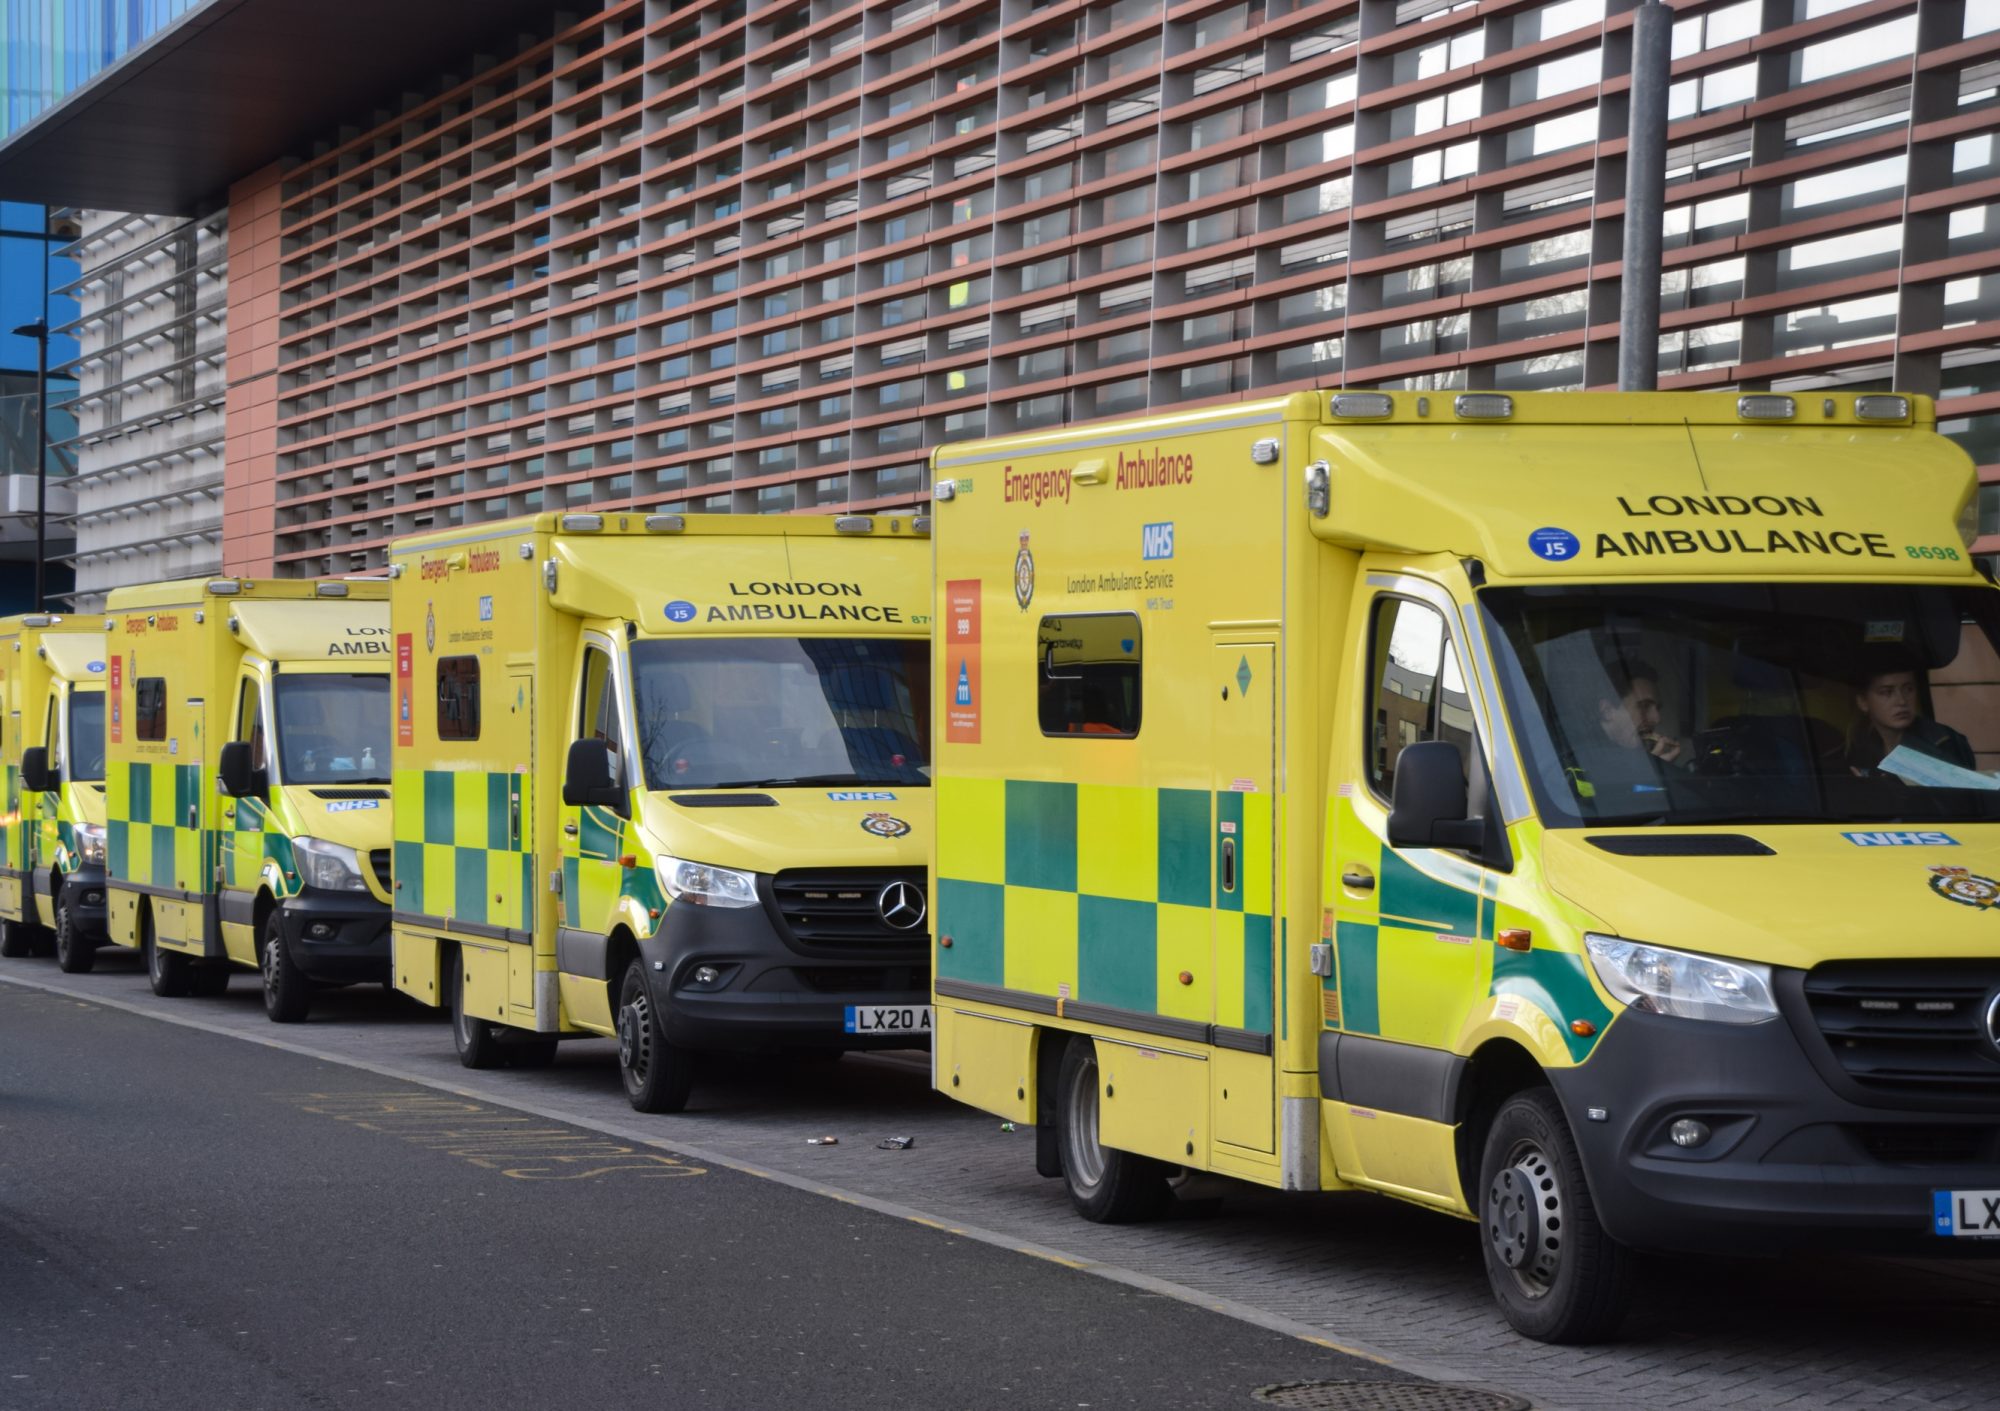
1433	936
1110	890
591	893
458	853
147	837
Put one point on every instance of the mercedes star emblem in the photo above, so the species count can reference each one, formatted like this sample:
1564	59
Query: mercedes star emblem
902	906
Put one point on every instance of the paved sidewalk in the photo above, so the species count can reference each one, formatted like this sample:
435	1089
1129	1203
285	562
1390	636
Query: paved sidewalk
1359	1271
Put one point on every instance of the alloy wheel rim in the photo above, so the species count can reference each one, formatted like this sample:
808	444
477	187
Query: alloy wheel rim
273	960
635	1041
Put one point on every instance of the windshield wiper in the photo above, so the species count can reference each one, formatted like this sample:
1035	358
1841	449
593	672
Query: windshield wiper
807	781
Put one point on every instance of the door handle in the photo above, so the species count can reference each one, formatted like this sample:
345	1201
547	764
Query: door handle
1359	878
570	828
1229	864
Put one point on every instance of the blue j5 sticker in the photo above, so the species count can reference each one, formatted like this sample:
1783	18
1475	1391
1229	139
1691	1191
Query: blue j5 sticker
863	796
1901	840
1557	545
680	610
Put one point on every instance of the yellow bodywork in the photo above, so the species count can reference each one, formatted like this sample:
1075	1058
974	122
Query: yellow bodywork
1207	894
193	666
537	897
46	661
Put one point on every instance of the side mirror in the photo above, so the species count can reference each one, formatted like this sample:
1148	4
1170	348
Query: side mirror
1427	804
590	776
238	779
37	774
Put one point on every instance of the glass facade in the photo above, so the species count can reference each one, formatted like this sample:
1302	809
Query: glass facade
50	48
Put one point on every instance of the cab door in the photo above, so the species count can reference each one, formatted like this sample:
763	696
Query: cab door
244	824
1242	751
1411	927
595	840
45	828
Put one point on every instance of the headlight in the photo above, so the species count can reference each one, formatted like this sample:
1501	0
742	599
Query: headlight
1662	981
90	843
699	884
328	867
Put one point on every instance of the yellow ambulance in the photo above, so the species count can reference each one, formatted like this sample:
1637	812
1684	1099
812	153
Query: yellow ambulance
249	783
52	829
664	779
1575	813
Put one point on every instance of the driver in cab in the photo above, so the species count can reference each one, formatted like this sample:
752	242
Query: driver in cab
1627	752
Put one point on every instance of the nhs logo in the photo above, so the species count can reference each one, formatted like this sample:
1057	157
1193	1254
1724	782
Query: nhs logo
1156	541
1901	840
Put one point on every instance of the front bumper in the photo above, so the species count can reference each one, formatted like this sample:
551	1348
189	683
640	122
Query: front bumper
1791	1163
89	913
337	938
770	993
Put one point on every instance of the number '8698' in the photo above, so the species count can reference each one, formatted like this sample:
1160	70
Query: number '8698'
1931	551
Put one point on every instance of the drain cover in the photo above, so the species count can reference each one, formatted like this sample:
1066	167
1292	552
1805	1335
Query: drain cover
1386	1396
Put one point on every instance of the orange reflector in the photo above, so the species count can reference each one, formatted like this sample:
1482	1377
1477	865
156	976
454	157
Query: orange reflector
945	942
628	861
1187	977
1517	939
1582	1028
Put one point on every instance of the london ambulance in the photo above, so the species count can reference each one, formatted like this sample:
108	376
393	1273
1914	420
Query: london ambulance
52	829
664	779
1574	813
249	783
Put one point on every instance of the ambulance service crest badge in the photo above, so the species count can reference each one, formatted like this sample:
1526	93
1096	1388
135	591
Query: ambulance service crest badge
430	627
1024	574
1965	887
884	825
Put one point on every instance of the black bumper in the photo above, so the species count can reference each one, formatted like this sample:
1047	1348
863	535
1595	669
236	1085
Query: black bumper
1791	1163
83	890
770	993
337	938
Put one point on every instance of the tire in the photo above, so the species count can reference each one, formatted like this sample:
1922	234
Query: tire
478	1045
1107	1186
658	1075
1558	1276
287	991
17	940
536	1052
209	981
74	955
168	970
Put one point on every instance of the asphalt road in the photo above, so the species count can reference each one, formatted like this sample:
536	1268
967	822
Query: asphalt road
187	1220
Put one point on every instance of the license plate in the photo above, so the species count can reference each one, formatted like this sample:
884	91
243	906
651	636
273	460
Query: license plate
895	1019
1966	1215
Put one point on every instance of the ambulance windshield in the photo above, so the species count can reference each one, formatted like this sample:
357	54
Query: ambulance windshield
1748	703
333	728
86	735
777	712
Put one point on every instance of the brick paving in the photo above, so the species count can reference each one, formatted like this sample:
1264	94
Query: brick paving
1364	1272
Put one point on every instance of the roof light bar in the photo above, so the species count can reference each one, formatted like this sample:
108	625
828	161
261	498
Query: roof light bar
582	523
1766	406
225	587
921	524
330	590
665	523
1362	406
1881	407
854	524
1482	406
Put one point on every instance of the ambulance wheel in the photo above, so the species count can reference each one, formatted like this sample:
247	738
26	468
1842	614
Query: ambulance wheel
478	1045
1110	1187
287	992
166	969
538	1052
658	1075
74	955
17	941
1558	1276
209	981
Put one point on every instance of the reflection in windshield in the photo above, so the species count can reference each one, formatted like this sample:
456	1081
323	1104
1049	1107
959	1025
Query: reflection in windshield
1754	702
333	728
771	712
86	735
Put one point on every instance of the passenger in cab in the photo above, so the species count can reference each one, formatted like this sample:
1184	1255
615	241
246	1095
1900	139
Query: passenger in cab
1888	688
